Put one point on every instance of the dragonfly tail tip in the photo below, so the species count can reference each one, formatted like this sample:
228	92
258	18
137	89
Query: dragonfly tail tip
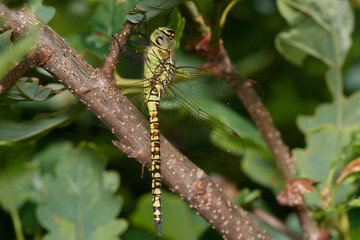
158	228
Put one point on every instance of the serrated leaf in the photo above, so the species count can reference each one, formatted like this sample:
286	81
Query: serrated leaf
43	12
190	227
321	29
77	203
315	162
326	114
151	9
26	89
12	132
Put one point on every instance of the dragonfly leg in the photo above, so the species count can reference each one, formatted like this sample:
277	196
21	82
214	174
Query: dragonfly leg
144	35
167	17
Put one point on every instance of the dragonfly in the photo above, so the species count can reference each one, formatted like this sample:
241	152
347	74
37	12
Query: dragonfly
160	74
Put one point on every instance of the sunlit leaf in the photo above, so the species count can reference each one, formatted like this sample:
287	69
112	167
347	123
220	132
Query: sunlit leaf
77	201
354	203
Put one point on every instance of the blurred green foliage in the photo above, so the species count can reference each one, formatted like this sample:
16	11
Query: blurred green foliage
51	179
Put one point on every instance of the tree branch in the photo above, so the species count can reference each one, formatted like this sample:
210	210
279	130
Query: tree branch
97	91
38	57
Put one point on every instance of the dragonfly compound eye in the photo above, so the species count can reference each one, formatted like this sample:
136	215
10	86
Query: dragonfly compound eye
159	41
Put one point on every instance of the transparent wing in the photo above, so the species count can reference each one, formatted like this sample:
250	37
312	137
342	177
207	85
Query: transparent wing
194	91
202	85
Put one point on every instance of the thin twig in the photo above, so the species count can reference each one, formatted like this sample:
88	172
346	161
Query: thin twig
91	87
38	57
112	57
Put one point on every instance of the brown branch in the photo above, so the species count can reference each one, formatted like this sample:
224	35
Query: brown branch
260	116
38	57
91	86
112	57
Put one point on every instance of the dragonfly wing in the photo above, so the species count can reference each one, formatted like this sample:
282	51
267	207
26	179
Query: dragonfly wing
221	134
203	85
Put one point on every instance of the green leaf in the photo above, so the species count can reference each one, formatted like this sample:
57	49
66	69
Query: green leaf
326	114
247	196
26	89
151	9
321	145
191	226
12	132
321	29
323	154
110	15
260	167
78	204
16	176
5	42
43	12
46	160
354	203
10	57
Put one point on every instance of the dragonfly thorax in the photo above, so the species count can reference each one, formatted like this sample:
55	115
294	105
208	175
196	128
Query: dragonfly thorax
164	37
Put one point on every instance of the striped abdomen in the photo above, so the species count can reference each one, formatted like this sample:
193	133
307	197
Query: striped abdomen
152	105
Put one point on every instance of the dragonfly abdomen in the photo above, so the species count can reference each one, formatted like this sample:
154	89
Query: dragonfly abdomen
152	105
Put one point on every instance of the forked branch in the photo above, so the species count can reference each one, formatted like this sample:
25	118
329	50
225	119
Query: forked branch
38	57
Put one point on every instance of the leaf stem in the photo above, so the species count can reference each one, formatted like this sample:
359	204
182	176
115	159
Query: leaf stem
226	12
13	211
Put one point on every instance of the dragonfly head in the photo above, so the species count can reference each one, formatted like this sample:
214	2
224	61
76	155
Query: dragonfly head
164	37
